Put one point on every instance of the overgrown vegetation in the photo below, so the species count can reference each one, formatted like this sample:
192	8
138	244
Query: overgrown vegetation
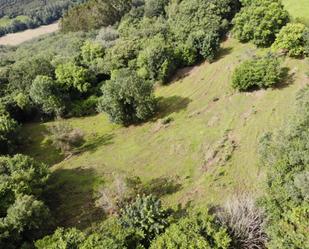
123	52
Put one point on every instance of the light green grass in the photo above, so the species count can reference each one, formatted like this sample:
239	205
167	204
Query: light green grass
180	150
299	9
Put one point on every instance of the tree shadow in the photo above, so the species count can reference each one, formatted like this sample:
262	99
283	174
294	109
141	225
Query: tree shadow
287	78
169	105
222	53
70	197
161	186
34	144
95	142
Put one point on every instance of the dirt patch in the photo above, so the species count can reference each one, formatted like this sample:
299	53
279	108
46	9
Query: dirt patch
20	37
221	152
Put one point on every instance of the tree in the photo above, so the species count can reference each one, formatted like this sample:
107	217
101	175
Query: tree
260	21
127	98
291	39
26	175
202	32
146	214
257	72
155	8
198	231
44	92
94	14
8	134
156	60
71	76
62	238
90	52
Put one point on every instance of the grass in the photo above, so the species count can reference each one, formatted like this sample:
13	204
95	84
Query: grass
209	144
298	10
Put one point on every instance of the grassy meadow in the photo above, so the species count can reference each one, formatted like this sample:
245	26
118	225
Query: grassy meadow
299	10
208	147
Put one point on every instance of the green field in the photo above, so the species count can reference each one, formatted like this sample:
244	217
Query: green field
298	9
209	149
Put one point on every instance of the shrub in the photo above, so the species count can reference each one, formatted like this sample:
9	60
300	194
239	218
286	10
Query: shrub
258	72
260	21
155	8
107	36
44	92
198	231
127	98
25	175
70	238
203	30
90	52
245	223
71	76
65	138
9	130
85	107
156	60
291	39
146	214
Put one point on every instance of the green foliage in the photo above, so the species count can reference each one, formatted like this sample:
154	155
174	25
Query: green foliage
44	92
85	107
94	14
146	214
286	199
291	39
127	98
156	61
25	174
258	72
23	217
260	21
155	8
90	52
65	239
203	30
198	231
8	134
71	76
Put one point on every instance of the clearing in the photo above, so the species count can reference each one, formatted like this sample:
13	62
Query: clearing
209	148
298	10
20	37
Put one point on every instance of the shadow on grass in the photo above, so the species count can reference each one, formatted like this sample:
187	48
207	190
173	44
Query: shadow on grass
70	197
95	142
169	105
34	145
162	186
222	53
287	78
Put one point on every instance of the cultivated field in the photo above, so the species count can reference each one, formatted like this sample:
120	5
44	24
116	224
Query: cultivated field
20	37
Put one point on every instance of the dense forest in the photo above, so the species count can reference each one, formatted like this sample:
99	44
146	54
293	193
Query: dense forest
24	14
110	57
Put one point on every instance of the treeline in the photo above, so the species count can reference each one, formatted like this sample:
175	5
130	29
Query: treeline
24	15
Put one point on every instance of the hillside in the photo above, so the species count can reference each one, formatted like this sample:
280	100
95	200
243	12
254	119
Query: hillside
210	147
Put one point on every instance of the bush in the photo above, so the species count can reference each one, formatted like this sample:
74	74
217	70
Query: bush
258	72
107	36
9	130
45	93
71	76
65	138
285	152
245	223
127	98
155	8
198	231
201	34
70	238
85	107
90	52
156	60
291	39
260	21
146	214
